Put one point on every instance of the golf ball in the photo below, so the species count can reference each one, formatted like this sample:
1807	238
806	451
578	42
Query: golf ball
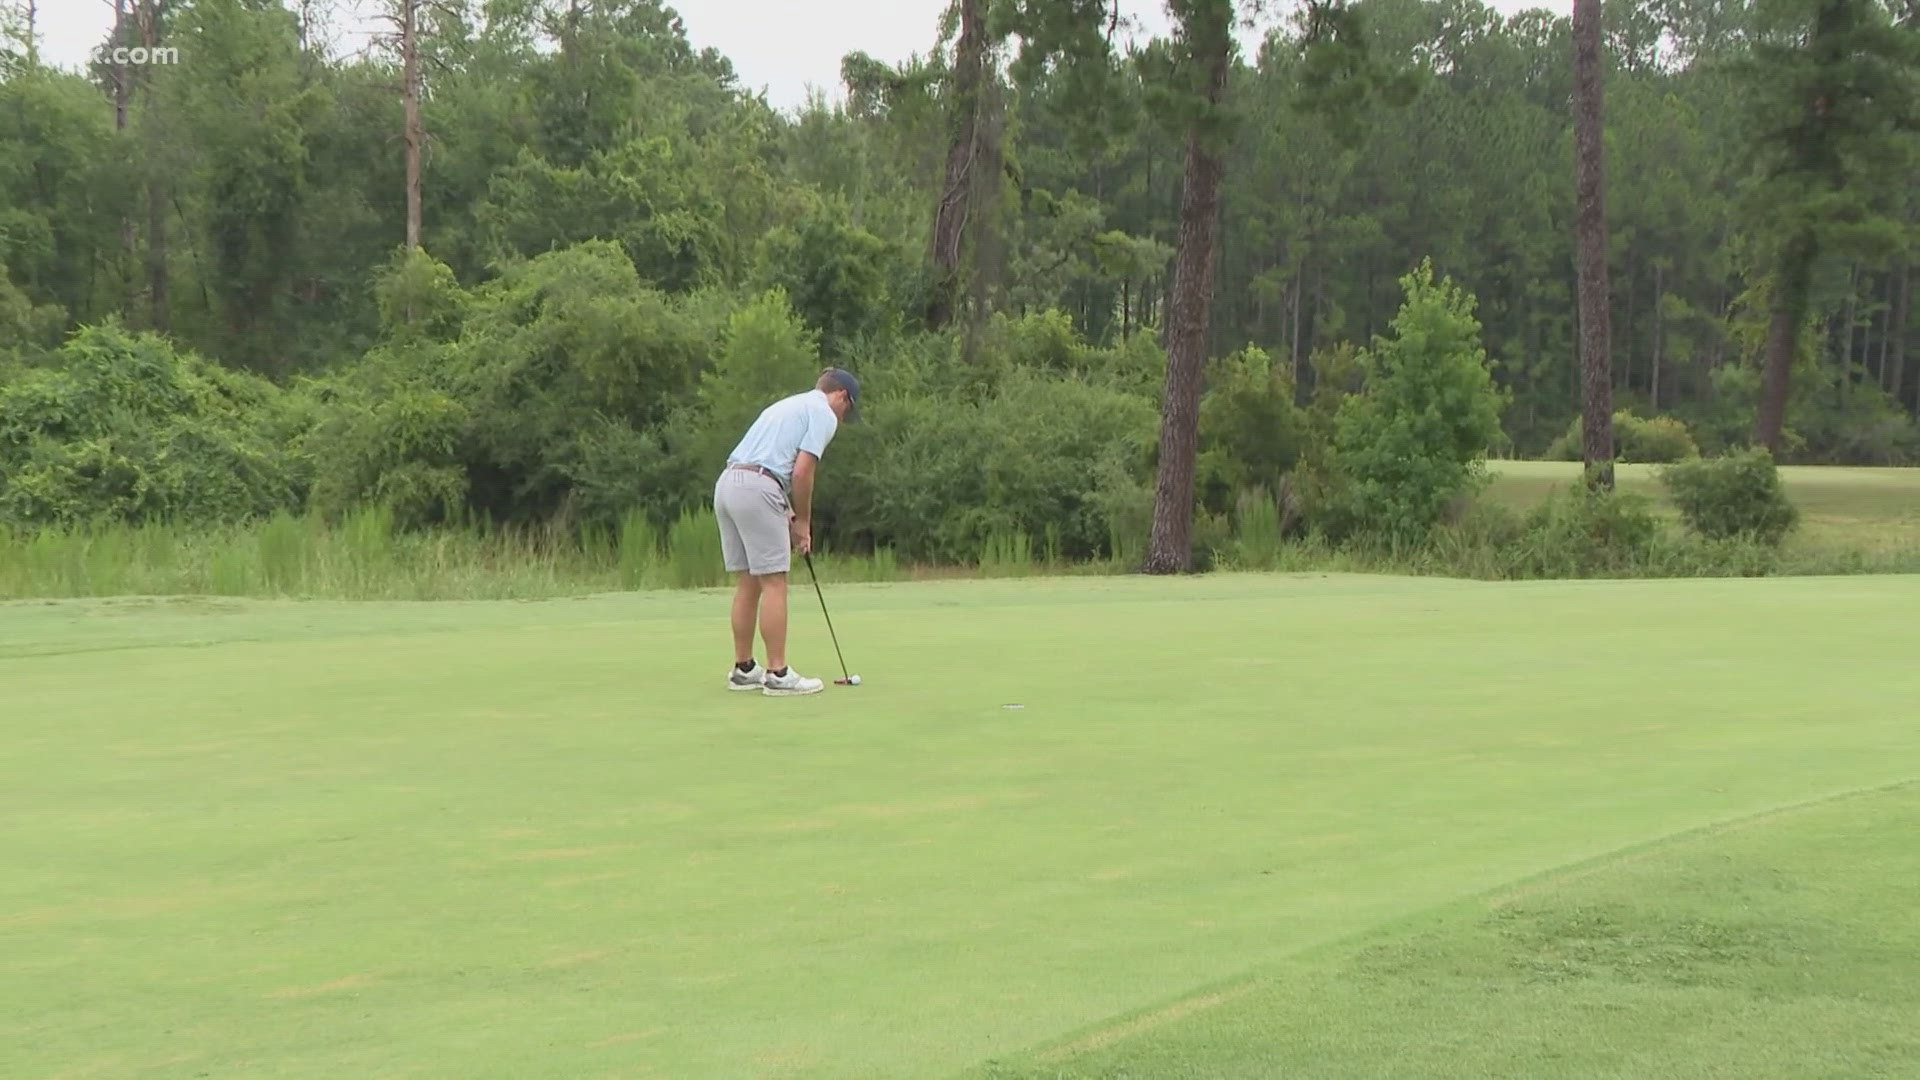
855	680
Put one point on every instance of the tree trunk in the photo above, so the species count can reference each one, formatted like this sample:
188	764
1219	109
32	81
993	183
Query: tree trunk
410	74
953	217
1596	358
159	301
1852	327
1659	328
122	98
1897	334
1300	376
1170	550
1783	340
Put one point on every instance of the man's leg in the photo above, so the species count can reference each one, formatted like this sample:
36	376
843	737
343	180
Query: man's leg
746	607
773	619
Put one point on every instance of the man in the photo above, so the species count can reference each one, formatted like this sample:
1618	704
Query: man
764	501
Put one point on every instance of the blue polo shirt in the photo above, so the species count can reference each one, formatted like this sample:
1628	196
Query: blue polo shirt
786	427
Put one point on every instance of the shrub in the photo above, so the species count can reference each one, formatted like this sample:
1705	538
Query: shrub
549	397
1415	440
1657	441
1583	532
122	427
1738	495
1660	440
1251	432
935	476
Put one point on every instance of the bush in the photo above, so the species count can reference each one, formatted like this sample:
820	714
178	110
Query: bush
1660	440
121	427
1416	439
548	399
1736	496
1251	432
935	476
1583	532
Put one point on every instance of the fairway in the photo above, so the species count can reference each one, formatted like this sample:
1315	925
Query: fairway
1853	508
538	839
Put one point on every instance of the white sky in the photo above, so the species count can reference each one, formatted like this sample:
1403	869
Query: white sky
782	46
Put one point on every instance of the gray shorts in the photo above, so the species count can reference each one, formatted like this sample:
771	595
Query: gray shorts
754	522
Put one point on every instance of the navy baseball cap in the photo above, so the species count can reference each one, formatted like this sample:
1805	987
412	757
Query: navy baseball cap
845	380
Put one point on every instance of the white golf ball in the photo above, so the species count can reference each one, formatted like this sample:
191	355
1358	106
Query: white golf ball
855	680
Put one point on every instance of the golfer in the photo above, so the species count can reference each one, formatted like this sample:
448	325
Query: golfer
764	501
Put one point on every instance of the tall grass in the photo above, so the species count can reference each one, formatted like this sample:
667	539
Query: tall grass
1007	553
637	554
1257	542
695	559
363	557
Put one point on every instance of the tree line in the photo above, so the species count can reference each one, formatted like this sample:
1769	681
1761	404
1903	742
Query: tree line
1209	231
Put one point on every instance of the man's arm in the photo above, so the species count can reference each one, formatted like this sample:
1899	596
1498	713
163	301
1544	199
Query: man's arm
801	500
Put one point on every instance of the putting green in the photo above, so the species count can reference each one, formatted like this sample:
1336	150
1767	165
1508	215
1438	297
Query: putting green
537	839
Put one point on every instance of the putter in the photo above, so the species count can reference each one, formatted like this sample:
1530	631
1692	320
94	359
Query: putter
845	680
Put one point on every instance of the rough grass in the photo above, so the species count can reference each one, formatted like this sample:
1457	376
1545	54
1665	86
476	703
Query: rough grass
537	839
364	558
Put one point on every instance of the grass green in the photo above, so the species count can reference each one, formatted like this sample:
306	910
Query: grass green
537	839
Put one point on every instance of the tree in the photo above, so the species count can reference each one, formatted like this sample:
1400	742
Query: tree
1834	87
406	19
1340	81
1596	318
970	153
1417	438
19	38
1206	56
1064	33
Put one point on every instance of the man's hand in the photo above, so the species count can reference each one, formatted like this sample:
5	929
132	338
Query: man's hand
801	502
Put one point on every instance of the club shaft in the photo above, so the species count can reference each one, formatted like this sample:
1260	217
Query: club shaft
815	575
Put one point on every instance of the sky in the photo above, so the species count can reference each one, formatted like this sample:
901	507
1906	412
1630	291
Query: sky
780	46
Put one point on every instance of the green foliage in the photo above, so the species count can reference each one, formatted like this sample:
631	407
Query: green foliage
1660	440
610	219
768	354
838	276
1251	432
1414	441
1582	532
419	297
1738	495
542	402
120	426
935	476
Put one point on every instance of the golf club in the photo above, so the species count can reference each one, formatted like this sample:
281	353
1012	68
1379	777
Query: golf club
845	680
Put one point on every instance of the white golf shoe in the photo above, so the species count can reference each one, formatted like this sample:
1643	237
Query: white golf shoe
792	684
752	679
